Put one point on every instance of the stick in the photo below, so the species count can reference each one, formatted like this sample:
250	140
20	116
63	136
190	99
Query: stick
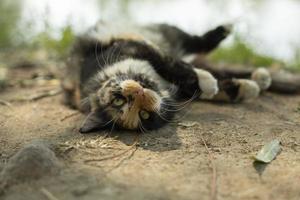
48	194
70	115
213	191
6	103
41	95
116	155
120	163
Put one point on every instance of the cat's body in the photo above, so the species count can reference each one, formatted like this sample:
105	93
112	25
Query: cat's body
133	77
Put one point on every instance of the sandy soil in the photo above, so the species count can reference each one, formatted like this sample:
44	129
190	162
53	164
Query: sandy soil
171	163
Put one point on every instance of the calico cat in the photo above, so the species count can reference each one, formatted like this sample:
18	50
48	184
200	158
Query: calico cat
134	77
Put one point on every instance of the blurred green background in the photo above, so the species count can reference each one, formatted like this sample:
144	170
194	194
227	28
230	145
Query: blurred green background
267	32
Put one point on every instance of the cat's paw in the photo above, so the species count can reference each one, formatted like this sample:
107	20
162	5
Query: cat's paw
224	30
262	77
248	89
207	83
227	28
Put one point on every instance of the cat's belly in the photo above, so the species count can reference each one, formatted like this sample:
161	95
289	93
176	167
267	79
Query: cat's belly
105	32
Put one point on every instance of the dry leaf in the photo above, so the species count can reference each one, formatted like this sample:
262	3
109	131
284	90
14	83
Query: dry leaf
268	152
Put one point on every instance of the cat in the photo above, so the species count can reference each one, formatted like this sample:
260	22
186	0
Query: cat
135	77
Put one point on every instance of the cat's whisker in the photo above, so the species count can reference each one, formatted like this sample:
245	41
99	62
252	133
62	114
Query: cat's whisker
143	129
184	115
111	54
113	125
107	54
119	54
84	101
178	119
162	117
96	55
177	108
184	104
175	120
112	120
172	89
102	54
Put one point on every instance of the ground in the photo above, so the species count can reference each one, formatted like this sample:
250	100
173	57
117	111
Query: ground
172	163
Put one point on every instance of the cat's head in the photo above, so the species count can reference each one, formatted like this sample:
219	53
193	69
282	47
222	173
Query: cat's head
128	100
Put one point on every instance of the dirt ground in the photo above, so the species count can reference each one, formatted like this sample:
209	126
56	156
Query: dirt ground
171	163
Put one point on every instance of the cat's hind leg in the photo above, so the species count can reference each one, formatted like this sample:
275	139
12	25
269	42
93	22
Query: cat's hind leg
191	44
262	77
230	90
233	90
237	90
207	42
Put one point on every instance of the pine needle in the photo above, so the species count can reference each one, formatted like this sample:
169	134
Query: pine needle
133	146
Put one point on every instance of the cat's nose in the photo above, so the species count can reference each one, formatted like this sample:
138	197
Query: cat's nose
139	92
131	87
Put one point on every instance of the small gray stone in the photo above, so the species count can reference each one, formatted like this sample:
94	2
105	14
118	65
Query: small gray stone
80	190
31	162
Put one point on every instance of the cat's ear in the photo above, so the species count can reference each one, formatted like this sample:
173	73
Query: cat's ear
92	122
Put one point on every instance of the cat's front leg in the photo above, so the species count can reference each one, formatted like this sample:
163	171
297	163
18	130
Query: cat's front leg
207	83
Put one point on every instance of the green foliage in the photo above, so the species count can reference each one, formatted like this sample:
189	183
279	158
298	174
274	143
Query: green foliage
241	53
10	11
296	64
58	46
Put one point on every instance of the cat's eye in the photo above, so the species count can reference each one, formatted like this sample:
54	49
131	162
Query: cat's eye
118	102
144	114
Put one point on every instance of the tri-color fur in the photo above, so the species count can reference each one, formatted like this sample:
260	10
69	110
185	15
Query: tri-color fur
133	78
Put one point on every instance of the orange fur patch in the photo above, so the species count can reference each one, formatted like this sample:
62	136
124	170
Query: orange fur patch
145	99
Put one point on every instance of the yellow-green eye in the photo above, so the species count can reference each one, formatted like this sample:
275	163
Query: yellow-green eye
144	114
118	102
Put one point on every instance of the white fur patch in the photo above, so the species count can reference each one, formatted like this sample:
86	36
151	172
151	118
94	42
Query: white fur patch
228	27
262	77
189	58
207	83
248	89
105	32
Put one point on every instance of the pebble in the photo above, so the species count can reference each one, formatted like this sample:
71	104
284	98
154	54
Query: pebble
33	161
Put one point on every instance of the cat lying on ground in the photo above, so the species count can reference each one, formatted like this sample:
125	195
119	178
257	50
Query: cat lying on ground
134	77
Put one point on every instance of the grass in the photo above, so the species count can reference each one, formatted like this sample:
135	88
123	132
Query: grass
57	46
296	63
10	11
241	53
15	37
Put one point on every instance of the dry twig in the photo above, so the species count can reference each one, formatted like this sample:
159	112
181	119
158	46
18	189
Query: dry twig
122	161
6	103
48	194
70	115
214	172
39	96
